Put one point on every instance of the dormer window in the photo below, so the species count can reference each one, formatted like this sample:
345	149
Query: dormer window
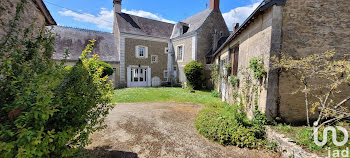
141	52
185	29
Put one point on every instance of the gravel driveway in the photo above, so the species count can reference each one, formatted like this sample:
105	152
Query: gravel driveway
158	130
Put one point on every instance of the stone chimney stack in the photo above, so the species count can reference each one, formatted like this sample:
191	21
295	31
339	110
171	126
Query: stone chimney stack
215	4
117	6
235	27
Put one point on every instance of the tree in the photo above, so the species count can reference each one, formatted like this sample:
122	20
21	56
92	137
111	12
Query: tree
322	78
47	110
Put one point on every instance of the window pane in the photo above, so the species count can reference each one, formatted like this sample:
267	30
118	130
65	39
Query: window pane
141	51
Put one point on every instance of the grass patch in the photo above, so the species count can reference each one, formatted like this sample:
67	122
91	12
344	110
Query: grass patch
164	94
303	136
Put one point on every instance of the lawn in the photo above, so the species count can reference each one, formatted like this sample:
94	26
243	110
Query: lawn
178	95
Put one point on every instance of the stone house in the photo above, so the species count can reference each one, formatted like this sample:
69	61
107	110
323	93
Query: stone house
294	27
146	52
194	37
35	12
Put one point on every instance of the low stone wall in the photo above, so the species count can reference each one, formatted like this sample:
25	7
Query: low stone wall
287	146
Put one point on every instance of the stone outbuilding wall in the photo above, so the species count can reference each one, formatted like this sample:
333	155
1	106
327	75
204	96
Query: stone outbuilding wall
34	13
311	26
256	40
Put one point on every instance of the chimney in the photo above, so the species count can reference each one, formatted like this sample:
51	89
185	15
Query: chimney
235	27
117	6
215	4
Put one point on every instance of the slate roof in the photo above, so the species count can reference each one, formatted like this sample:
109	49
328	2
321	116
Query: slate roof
142	26
76	39
221	41
266	4
194	22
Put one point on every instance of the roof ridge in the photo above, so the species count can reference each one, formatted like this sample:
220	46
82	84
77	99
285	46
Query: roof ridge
81	29
195	14
146	18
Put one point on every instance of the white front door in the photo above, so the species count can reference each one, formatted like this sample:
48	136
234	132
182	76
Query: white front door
138	76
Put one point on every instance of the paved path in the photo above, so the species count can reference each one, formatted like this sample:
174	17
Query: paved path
158	130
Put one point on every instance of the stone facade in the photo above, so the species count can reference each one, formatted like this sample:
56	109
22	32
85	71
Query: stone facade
312	26
154	48
294	27
188	51
254	41
34	13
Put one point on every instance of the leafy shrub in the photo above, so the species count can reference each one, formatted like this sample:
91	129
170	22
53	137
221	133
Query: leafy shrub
47	110
234	81
215	93
226	125
107	69
257	66
194	72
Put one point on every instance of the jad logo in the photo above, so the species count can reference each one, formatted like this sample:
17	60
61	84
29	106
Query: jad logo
334	153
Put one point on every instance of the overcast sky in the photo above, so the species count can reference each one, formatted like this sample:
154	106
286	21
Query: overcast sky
98	14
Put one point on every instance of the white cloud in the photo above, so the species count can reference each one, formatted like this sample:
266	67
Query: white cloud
149	15
104	19
240	14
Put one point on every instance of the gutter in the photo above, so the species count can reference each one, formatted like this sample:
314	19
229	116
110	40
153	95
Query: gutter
266	4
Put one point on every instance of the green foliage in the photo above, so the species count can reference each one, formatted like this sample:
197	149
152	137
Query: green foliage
228	126
271	146
304	136
228	68
47	110
107	69
194	72
257	66
215	93
215	73
234	81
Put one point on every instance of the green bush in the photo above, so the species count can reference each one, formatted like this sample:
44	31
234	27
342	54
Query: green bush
215	93
107	68
226	125
234	81
194	72
47	110
257	66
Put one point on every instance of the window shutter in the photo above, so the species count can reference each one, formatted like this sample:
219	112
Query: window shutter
146	52
137	51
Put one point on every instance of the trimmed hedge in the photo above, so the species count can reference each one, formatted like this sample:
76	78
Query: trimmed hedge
194	72
227	126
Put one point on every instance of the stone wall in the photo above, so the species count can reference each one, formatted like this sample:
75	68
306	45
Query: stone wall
215	21
310	26
256	41
187	56
31	15
154	48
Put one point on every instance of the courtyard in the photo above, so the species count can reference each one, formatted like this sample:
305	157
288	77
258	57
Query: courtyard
158	122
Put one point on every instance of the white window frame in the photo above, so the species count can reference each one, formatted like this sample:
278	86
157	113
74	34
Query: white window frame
137	52
177	52
165	74
156	57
